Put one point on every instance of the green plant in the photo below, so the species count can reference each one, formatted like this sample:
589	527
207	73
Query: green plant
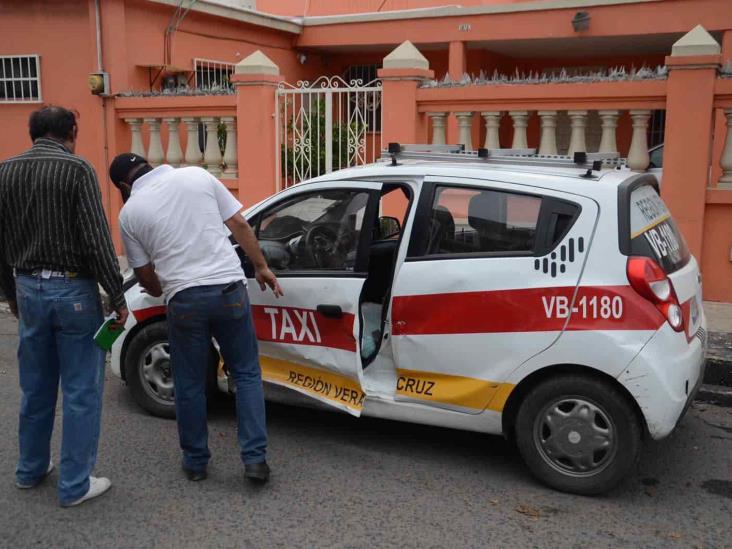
309	157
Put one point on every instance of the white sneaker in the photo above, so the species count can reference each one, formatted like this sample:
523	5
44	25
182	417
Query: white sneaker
97	486
22	486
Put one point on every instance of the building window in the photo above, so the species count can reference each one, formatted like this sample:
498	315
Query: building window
20	78
212	74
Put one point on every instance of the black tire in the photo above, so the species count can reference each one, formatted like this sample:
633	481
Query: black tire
562	420
155	399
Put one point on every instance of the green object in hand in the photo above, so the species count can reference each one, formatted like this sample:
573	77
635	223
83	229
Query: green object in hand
106	334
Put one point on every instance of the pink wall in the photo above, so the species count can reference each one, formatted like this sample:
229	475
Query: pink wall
60	34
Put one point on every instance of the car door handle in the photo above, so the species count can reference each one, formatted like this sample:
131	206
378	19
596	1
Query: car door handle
330	311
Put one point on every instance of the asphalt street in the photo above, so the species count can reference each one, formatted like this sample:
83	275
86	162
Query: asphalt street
345	482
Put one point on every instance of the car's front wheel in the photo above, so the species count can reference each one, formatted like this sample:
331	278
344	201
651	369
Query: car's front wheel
578	434
149	373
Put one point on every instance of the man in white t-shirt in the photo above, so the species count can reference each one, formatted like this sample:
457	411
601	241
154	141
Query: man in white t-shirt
173	226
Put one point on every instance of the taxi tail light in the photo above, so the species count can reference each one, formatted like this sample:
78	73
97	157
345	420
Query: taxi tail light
650	281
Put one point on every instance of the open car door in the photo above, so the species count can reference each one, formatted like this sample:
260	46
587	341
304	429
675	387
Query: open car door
316	240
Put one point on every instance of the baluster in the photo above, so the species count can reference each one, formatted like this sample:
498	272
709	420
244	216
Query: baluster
212	152
438	127
155	148
194	156
230	152
520	122
577	142
725	162
492	124
465	129
136	146
638	158
548	143
174	154
608	141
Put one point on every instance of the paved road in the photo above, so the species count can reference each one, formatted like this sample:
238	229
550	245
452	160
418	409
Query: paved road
342	482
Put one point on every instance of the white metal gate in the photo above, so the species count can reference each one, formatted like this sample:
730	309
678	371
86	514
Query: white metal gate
326	125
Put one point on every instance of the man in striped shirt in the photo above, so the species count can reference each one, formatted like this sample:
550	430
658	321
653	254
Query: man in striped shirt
55	246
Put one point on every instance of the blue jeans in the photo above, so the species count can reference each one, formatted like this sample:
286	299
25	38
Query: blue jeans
58	319
194	315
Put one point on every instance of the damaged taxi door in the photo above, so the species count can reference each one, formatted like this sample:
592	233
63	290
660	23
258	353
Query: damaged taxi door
315	239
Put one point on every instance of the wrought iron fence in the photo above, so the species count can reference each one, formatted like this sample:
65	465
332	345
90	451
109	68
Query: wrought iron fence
326	125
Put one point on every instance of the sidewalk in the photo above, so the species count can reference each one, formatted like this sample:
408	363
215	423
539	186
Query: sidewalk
717	386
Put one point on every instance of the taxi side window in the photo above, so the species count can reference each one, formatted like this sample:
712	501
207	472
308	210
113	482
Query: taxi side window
467	220
315	231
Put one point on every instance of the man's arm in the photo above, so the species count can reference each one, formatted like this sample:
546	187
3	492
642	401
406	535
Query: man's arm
246	238
139	258
148	279
93	230
7	284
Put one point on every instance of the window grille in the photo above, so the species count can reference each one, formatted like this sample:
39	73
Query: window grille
20	79
212	74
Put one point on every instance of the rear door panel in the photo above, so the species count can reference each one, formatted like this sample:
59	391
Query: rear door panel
461	325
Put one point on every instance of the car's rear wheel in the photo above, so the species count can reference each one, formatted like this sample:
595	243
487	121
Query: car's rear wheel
578	434
149	373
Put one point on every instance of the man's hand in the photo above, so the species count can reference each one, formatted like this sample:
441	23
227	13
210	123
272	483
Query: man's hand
244	235
265	277
122	315
13	307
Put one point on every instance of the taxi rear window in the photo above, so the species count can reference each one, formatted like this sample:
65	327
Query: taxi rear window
653	232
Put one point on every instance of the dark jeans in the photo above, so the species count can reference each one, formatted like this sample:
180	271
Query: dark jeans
58	318
194	315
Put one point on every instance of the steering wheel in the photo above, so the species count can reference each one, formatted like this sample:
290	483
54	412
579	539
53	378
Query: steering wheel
321	244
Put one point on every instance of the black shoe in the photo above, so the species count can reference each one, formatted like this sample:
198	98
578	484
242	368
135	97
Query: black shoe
257	472
195	476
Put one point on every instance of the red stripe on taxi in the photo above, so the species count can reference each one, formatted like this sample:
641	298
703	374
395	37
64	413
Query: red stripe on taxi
295	326
525	310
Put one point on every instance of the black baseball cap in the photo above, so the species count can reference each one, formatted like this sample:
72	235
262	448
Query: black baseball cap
120	167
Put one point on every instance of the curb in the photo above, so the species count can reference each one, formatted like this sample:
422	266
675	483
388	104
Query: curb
715	394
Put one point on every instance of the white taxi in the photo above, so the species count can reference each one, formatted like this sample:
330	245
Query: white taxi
550	300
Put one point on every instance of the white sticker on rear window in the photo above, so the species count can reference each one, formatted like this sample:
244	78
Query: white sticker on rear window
646	210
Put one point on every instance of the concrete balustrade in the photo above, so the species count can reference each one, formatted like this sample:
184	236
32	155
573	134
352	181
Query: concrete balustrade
231	167
438	127
725	162
155	154
465	127
225	166
548	143
638	158
520	123
492	125
577	141
174	154
609	141
136	146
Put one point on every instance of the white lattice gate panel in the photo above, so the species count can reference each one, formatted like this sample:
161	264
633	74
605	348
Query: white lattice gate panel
326	125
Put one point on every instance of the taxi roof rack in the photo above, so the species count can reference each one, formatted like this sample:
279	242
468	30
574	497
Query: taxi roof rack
457	153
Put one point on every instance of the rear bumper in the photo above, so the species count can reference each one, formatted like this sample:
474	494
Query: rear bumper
664	378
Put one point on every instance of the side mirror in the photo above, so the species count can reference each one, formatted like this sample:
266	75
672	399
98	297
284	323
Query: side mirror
388	227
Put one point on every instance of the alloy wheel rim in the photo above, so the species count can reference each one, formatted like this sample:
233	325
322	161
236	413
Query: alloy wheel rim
575	436
156	373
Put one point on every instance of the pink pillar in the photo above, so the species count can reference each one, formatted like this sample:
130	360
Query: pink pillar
401	121
256	135
457	66
688	141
